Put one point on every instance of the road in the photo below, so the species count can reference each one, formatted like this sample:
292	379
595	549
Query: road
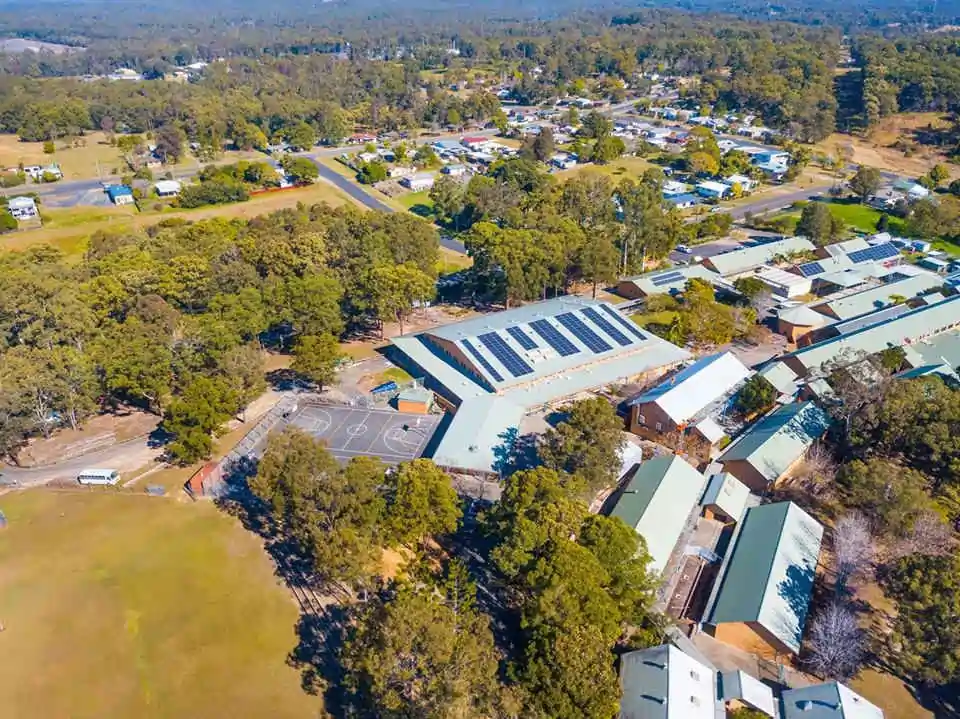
123	456
779	202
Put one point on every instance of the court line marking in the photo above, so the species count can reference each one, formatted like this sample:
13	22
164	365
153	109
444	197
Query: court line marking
362	422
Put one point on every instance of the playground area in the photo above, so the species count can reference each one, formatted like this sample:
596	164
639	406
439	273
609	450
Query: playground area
352	432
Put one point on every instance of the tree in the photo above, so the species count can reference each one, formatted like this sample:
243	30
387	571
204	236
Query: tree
301	136
883	223
818	224
447	197
372	173
49	147
702	163
927	636
544	145
205	404
453	117
136	364
169	142
865	182
938	174
7	222
892	496
302	170
836	643
247	136
756	395
315	357
423	652
596	125
425	156
853	548
586	443
607	148
397	290
421	502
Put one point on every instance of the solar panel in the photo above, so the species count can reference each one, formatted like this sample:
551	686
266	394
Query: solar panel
482	360
626	324
877	252
583	333
811	268
522	338
667	279
505	354
618	336
553	338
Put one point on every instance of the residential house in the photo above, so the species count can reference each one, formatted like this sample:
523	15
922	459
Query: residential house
682	202
38	172
666	683
167	188
672	187
563	161
669	407
772	158
912	190
726	145
658	502
401	171
766	585
120	194
454	170
713	189
23	209
774	445
831	700
474	143
746	184
419	182
934	264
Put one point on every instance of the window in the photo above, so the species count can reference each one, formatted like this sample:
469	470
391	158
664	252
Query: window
641	419
659	427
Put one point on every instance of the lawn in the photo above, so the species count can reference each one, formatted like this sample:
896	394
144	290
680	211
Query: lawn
451	261
664	317
123	605
418	203
856	216
625	167
890	694
68	229
77	163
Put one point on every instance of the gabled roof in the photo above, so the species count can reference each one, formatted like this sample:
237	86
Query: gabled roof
831	700
783	379
672	280
769	579
479	434
778	440
910	327
665	683
845	248
876	298
749	257
726	493
803	316
692	389
740	686
657	502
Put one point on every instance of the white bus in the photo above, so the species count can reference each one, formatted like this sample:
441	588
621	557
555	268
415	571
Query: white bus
98	476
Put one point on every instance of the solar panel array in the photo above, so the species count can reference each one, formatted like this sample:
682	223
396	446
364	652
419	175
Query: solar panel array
561	344
505	354
482	360
809	269
626	324
666	279
618	336
591	339
522	338
877	252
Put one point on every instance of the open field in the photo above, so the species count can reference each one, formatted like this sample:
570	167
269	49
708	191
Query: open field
876	150
68	229
858	217
625	167
124	605
890	694
451	261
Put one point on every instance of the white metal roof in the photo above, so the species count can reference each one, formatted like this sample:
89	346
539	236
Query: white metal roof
803	316
665	683
710	430
167	186
776	276
728	494
741	260
692	389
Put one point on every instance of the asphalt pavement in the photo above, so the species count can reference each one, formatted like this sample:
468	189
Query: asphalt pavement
779	202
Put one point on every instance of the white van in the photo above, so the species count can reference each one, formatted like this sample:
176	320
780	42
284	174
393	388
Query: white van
98	476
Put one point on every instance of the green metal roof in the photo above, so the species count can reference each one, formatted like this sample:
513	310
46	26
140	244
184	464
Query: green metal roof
907	328
415	394
769	579
782	378
657	503
779	439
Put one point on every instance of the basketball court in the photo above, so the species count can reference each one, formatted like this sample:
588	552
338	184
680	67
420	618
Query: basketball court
353	432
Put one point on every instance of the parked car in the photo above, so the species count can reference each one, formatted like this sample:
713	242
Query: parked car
684	249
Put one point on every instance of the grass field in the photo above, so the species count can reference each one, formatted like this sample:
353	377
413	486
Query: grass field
625	167
68	229
857	217
119	605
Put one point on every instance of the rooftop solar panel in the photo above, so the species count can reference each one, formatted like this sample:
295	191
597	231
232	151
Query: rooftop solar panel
667	279
615	334
591	339
811	268
482	360
522	338
877	252
505	354
553	338
626	324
